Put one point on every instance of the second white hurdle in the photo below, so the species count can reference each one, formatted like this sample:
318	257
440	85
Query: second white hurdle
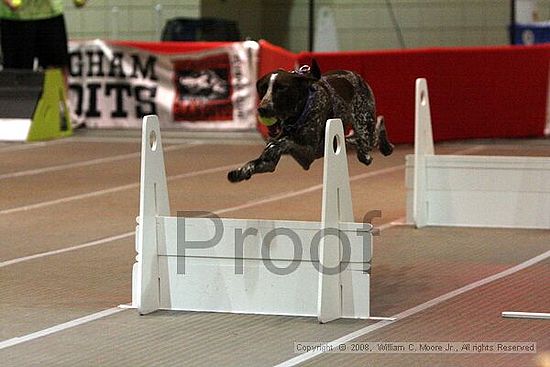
474	191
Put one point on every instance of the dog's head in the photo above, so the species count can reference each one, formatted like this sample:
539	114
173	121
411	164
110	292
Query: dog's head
284	94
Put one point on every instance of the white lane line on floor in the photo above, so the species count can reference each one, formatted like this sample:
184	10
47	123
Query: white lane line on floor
176	140
54	329
217	212
310	189
111	190
90	162
108	312
14	147
307	190
107	139
96	316
169	178
414	310
67	249
393	223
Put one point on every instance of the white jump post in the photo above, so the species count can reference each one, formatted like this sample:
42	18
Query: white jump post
423	147
152	204
474	191
336	208
252	266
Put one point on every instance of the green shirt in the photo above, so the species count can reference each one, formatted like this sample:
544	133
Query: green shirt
32	10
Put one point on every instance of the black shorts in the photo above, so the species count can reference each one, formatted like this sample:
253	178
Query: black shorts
23	40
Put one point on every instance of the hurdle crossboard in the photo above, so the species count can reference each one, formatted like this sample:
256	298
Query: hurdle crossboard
265	273
472	191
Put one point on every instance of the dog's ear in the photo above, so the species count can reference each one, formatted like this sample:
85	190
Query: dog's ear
315	70
262	84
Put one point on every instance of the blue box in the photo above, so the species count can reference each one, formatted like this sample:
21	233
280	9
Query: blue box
531	33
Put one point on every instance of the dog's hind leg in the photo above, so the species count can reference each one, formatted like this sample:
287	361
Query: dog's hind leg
303	155
384	145
364	135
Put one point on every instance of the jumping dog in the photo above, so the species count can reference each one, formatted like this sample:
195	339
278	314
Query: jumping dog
297	105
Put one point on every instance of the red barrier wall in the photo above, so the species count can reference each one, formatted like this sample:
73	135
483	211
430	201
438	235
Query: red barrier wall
489	92
474	92
274	57
171	47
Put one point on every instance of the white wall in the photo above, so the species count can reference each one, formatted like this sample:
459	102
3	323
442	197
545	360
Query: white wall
367	24
247	12
361	24
131	20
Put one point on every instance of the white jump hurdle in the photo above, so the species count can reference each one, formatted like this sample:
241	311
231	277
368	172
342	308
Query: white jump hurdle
473	191
211	280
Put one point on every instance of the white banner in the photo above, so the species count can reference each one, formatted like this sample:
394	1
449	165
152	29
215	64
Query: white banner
114	86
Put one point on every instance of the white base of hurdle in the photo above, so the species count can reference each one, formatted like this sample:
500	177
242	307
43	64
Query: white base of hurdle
228	278
472	191
526	315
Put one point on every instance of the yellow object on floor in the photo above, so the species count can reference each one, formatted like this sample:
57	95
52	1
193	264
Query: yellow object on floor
51	118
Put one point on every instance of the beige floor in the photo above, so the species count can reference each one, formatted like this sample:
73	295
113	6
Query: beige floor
74	202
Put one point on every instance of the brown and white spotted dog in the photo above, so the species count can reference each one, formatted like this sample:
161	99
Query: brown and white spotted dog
301	102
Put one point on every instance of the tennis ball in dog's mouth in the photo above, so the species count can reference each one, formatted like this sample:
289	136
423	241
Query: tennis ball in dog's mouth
79	3
268	121
16	4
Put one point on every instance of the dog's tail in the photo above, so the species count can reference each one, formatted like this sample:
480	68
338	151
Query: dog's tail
381	136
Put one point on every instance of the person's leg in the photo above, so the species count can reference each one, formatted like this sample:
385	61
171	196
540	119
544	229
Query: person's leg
53	52
52	43
18	43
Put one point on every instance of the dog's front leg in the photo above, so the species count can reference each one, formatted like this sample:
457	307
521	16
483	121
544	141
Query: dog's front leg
265	163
